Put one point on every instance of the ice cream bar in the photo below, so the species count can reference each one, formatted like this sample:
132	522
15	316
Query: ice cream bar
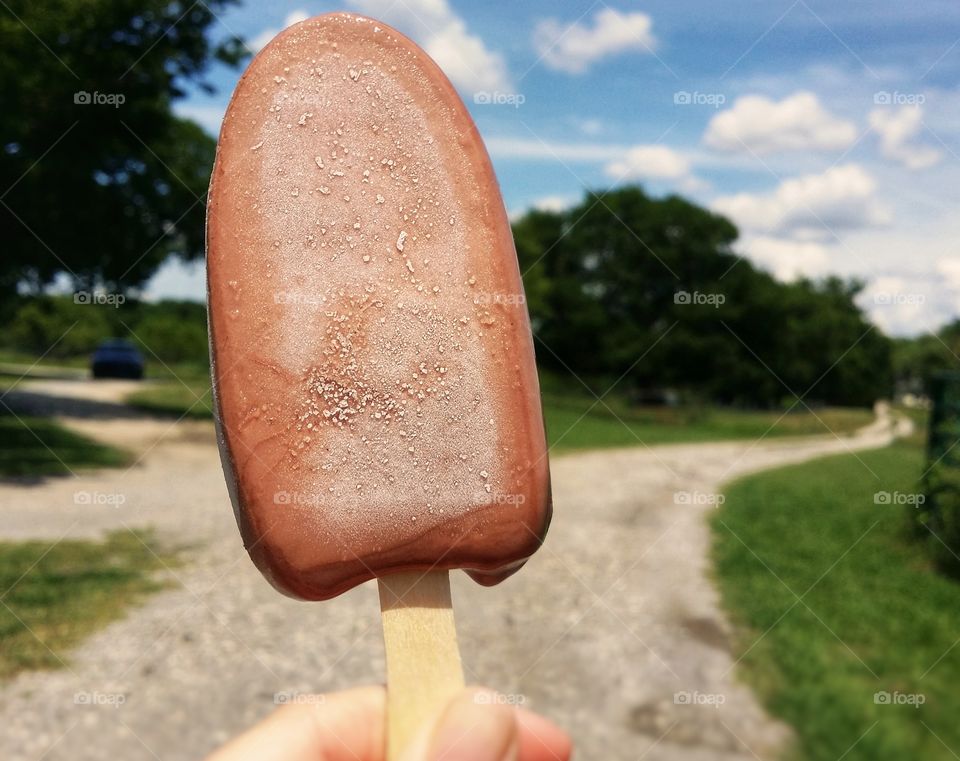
376	394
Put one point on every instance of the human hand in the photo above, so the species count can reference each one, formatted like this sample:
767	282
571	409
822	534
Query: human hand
350	726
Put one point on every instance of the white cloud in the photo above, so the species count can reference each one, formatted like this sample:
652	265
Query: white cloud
576	47
621	162
654	162
553	203
949	269
897	130
556	203
900	305
649	162
812	206
177	279
256	44
787	259
464	57
796	123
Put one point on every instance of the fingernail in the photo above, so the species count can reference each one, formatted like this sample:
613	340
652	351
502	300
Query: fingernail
475	728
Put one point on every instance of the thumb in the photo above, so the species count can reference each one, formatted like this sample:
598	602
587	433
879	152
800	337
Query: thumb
473	727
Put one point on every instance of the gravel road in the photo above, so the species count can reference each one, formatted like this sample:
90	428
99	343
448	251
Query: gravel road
608	630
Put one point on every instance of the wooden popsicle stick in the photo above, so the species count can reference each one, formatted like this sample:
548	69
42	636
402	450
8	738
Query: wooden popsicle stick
423	659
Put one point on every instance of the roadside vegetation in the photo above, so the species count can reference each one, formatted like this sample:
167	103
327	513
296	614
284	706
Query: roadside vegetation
56	594
844	627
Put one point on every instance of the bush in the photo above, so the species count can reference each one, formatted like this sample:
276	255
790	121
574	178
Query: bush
169	331
57	327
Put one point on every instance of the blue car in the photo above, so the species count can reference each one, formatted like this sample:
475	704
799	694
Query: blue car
117	358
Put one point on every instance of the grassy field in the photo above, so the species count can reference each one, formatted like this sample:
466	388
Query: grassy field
190	398
54	596
873	616
574	422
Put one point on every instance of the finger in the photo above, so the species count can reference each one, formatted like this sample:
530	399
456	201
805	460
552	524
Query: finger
540	739
345	726
476	726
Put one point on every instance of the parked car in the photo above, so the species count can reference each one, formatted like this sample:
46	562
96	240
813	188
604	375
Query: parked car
117	358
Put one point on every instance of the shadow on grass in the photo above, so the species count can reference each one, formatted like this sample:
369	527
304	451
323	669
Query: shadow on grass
54	595
32	448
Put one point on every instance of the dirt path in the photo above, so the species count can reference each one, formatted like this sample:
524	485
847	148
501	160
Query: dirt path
603	630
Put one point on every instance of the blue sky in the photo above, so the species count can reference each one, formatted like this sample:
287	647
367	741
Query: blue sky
830	133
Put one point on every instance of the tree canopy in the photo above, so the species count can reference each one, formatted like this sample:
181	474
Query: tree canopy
651	289
99	179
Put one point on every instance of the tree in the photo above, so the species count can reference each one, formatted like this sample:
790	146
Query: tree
650	290
99	179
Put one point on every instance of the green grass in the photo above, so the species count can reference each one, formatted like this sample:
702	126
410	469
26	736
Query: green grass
175	399
55	595
33	446
24	360
879	618
574	424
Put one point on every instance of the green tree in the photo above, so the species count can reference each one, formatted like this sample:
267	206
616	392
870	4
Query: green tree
651	290
102	191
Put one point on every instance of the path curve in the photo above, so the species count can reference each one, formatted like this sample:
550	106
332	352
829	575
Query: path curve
611	620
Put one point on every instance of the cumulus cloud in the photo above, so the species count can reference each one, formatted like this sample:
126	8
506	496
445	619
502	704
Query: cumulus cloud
900	305
949	269
796	123
897	130
574	48
464	57
813	206
649	161
788	259
260	41
556	203
654	162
